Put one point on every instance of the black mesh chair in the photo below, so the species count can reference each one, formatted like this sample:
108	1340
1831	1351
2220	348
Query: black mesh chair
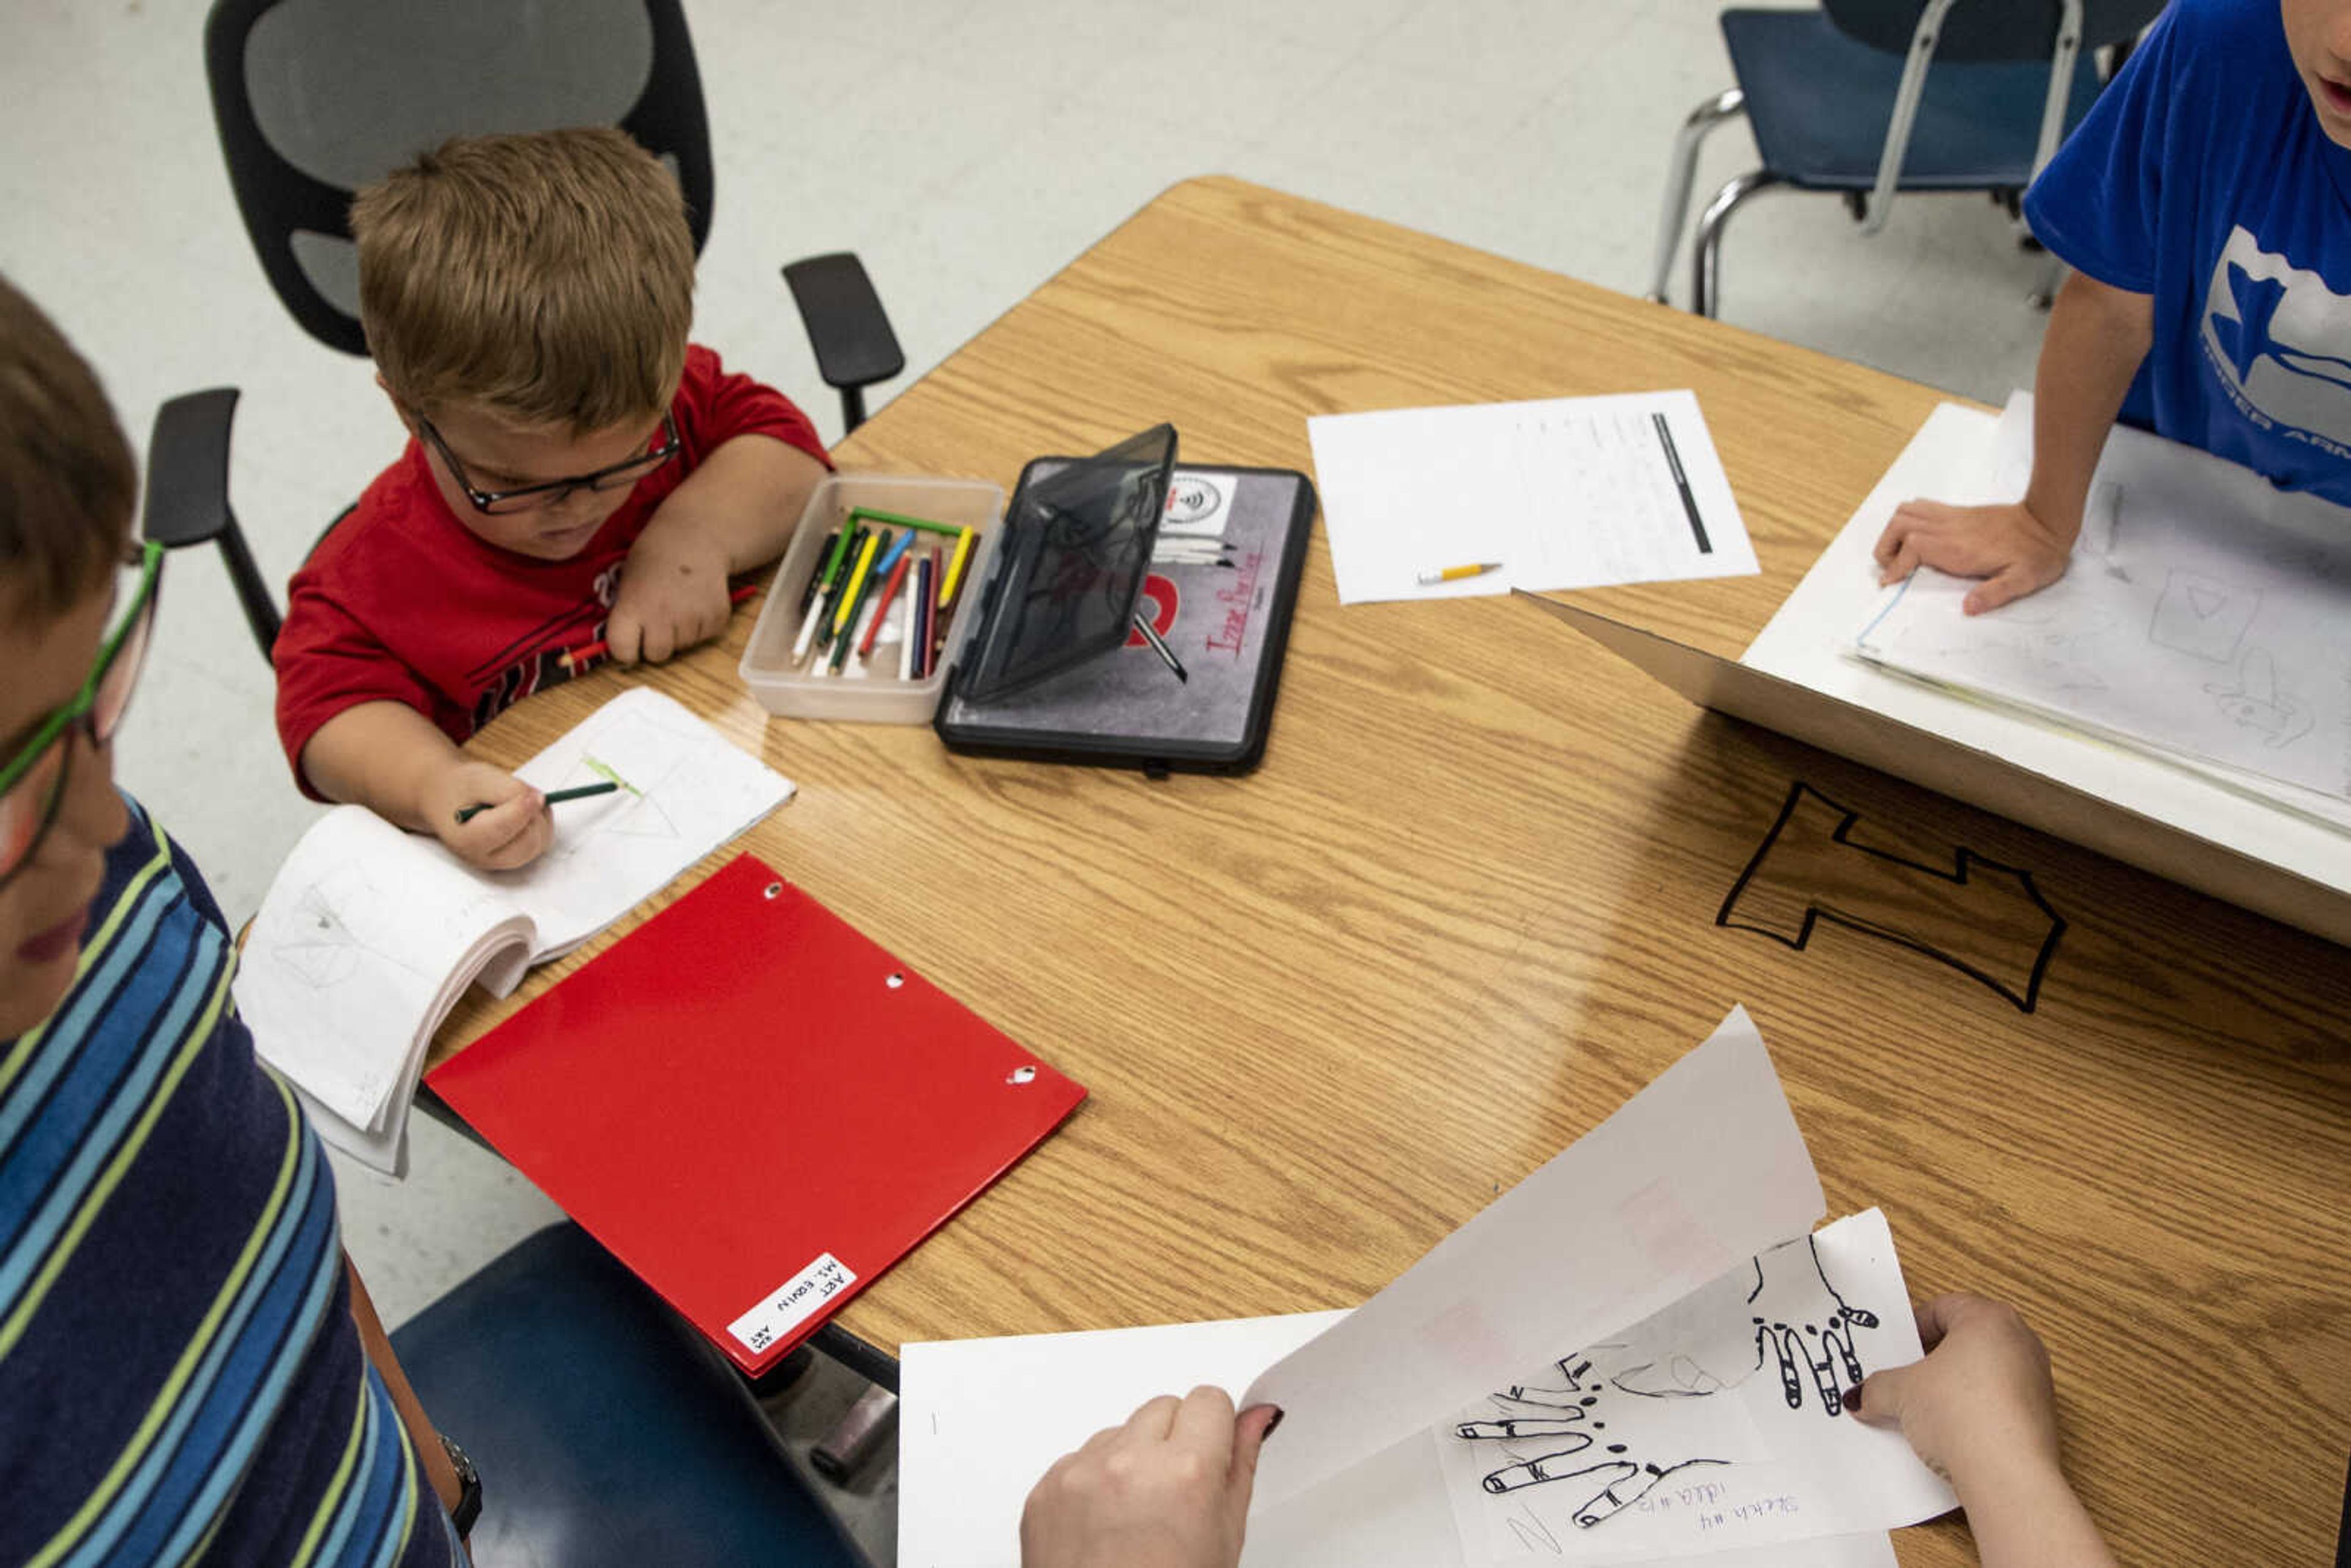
316	98
1843	100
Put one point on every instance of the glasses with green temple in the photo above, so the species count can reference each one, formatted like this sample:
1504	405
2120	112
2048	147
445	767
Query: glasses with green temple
33	781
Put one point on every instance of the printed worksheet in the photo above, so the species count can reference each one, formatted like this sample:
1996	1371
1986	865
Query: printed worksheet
1560	492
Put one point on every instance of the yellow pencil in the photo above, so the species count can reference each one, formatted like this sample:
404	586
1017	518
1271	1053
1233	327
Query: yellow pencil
1456	573
856	581
955	568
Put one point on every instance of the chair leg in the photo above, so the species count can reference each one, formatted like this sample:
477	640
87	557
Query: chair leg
1706	250
2053	276
1695	128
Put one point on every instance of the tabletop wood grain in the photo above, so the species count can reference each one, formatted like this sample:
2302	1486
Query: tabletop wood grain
1489	882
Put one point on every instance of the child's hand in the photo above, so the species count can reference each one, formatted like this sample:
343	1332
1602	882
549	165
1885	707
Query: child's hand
514	831
1981	1399
673	594
2010	548
1168	1489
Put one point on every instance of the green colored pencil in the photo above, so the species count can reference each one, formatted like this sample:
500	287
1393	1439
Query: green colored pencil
897	519
555	798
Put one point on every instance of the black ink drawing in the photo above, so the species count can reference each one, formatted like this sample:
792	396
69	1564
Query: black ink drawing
2202	617
1784	893
1804	1329
2255	702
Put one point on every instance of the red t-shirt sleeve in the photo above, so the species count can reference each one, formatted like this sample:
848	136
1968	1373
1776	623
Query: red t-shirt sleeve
328	661
719	404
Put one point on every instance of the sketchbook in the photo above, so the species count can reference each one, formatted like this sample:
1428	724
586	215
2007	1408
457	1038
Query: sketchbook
2205	618
1670	1382
368	935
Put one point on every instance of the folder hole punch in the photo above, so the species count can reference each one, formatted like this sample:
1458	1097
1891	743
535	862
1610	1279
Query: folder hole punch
894	982
775	890
1021	1075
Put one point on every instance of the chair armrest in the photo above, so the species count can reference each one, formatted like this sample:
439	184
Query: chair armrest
187	498
187	469
847	328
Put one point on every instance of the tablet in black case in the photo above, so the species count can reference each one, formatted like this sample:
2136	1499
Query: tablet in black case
1219	586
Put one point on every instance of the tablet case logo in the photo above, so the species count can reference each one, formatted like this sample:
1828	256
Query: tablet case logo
2276	336
1984	919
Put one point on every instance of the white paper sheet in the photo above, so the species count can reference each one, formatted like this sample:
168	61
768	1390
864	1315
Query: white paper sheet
691	791
1563	492
2205	614
1721	1419
357	943
1697	1172
1954	458
982	1420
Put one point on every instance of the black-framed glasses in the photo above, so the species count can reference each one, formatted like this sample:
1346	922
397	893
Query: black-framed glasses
530	497
33	783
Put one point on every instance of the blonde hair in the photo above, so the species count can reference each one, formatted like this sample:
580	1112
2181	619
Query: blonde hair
67	480
549	277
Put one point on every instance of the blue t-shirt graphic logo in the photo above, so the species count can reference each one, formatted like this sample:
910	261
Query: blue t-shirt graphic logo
2266	323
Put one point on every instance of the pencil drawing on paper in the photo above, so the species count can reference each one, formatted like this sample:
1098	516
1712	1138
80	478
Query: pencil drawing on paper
2255	702
2202	616
1623	1416
317	947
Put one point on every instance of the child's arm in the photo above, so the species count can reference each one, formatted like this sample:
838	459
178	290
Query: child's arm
393	761
1982	1411
735	513
2097	336
1168	1489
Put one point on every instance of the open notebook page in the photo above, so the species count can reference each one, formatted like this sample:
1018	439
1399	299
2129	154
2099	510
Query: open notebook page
363	941
689	791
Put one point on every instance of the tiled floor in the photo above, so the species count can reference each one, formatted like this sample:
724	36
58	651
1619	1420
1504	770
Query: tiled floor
965	151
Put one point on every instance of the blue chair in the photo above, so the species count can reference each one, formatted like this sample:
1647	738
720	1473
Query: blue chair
1843	100
608	1433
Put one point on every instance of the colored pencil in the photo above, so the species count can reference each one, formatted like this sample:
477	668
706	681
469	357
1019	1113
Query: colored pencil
881	606
554	798
899	519
853	592
955	568
850	611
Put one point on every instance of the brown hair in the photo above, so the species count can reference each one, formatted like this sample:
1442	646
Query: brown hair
549	277
67	480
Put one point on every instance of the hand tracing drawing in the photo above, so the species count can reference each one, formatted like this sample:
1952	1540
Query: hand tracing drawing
1716	1422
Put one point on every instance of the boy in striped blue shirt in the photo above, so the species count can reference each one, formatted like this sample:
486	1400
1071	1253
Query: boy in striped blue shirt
190	1372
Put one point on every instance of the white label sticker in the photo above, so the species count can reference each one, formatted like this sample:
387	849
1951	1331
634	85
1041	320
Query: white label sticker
791	1303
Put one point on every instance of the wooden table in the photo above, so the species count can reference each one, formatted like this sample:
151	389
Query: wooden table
1481	891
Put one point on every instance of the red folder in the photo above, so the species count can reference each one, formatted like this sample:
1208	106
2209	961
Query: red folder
754	1107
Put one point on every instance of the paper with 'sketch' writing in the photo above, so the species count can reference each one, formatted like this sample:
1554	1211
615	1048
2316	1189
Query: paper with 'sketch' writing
1579	492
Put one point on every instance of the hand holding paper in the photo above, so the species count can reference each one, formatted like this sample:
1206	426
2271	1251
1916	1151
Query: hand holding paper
1170	1489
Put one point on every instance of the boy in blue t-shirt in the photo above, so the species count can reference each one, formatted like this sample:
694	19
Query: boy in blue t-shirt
2205	206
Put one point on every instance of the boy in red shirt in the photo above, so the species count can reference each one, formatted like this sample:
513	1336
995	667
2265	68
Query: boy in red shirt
575	469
